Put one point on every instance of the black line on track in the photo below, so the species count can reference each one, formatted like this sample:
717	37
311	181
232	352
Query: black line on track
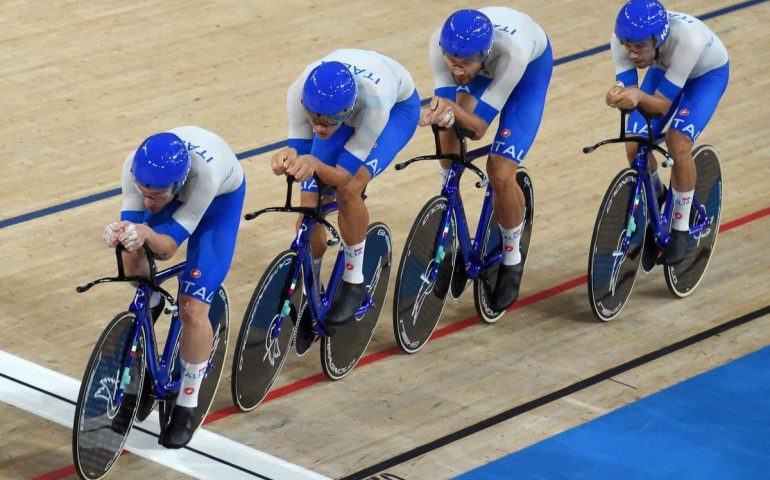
25	217
36	388
136	427
553	396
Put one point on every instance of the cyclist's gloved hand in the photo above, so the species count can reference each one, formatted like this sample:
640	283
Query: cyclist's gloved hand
447	119
301	167
438	112
624	98
613	92
280	160
111	233
425	115
130	237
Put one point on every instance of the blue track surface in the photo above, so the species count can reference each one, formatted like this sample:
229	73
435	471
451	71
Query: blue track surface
713	426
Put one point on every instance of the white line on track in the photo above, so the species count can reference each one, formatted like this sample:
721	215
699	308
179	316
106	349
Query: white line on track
140	443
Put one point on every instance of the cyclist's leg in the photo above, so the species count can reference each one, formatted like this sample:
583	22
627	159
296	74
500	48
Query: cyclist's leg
209	255
699	99
519	122
636	126
509	207
402	123
318	235
135	263
309	197
353	220
354	216
466	97
683	174
326	151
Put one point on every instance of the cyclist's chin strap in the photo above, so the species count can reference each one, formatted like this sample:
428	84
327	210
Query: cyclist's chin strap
657	49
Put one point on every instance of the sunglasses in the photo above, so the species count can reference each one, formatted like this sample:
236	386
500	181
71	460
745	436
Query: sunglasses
329	120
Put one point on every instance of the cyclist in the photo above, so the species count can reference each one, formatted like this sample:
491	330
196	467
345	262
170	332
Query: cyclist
688	73
488	62
350	113
180	184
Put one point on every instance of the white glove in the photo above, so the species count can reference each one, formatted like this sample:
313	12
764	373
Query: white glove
111	233
128	237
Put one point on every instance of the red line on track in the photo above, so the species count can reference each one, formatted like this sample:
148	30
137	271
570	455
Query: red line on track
442	332
388	352
57	474
744	220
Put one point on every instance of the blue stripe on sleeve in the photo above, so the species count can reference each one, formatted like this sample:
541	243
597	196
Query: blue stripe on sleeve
446	92
301	145
174	230
629	77
132	216
668	89
485	111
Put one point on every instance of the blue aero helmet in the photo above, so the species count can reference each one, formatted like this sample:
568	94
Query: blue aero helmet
161	162
467	33
329	89
639	20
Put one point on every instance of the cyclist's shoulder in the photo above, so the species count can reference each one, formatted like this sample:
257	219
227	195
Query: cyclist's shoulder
192	134
686	28
362	62
502	16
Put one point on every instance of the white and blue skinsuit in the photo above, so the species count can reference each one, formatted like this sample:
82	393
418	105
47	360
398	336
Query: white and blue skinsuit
513	80
692	72
207	210
382	122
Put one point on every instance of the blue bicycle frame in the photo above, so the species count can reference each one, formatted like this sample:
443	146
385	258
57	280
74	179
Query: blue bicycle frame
318	302
471	249
161	371
660	221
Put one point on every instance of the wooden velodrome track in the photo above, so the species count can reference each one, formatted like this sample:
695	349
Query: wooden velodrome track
84	82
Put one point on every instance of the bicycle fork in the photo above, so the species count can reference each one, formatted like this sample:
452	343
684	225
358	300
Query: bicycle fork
273	348
124	378
429	276
624	242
